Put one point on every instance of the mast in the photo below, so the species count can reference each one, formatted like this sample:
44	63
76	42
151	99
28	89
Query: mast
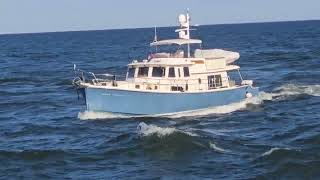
188	31
155	34
155	37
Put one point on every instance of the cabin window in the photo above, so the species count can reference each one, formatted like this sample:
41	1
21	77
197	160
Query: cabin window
176	88
186	72
171	72
179	73
143	72
234	77
214	81
131	72
158	72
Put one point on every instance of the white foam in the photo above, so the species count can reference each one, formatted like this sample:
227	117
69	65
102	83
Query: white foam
147	130
225	109
267	153
216	148
286	90
144	129
293	89
91	115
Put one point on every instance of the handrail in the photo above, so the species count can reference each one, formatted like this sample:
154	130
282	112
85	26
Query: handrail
160	82
172	82
81	73
94	76
180	83
110	75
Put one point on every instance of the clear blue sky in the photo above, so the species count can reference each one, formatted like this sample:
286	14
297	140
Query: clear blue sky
20	16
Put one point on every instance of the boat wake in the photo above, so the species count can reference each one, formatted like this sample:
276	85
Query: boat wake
257	100
293	89
91	115
280	93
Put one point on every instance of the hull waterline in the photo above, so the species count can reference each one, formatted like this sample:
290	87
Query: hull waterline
152	103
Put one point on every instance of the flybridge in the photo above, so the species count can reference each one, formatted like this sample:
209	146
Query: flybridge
176	41
184	35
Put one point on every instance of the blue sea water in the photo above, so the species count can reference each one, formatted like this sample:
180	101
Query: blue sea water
46	134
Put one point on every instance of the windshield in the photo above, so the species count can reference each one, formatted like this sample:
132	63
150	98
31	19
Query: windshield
173	51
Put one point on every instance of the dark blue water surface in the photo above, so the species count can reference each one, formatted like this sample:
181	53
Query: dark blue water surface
45	133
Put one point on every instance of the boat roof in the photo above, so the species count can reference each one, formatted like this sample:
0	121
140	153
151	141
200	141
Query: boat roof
166	63
176	41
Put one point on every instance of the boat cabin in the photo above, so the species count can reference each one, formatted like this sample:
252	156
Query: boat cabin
177	72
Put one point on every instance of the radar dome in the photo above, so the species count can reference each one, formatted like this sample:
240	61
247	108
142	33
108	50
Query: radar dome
182	18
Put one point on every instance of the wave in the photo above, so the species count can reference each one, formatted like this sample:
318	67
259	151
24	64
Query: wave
92	115
172	139
148	130
35	55
23	80
273	150
33	154
293	89
216	148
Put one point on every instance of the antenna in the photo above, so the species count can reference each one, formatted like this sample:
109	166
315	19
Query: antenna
188	24
188	30
155	37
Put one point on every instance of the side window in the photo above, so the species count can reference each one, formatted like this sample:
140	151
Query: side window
176	88
158	72
143	72
214	81
186	72
179	73
131	72
171	72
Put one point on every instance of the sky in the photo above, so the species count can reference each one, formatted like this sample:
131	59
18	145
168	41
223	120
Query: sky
28	16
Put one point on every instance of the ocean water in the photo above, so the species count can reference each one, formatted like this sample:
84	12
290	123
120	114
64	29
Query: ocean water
46	134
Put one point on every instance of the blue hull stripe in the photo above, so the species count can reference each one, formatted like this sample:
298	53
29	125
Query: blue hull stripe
133	102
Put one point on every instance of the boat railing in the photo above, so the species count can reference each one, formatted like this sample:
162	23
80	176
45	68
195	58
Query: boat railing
178	81
86	76
185	84
149	83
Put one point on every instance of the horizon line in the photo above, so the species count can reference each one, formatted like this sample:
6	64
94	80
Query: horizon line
147	27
